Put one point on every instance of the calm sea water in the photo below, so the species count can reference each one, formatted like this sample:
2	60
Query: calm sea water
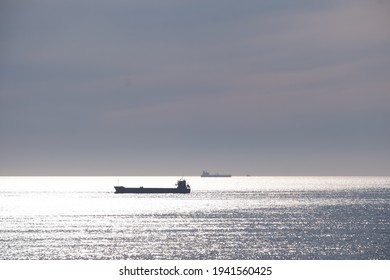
223	218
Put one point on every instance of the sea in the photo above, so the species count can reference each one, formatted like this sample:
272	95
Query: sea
237	218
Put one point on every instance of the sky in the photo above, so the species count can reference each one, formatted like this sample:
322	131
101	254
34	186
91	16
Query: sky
174	87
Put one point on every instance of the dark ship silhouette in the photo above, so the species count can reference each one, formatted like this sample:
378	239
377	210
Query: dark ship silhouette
182	187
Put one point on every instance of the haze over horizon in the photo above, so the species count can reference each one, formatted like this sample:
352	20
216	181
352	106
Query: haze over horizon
176	87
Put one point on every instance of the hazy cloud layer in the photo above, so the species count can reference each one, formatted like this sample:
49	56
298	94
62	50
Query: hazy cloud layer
174	87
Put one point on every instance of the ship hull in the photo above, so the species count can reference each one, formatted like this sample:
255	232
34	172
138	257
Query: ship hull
120	189
208	174
216	175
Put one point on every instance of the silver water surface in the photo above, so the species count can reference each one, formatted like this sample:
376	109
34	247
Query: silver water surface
223	218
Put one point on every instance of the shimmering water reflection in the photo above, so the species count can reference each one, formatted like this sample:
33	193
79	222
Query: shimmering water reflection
235	218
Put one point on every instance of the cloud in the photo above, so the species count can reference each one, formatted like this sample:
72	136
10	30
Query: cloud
216	79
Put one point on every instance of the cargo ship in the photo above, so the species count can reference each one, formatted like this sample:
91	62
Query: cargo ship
207	174
182	187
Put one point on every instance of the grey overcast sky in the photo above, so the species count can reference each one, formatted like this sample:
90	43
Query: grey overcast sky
153	87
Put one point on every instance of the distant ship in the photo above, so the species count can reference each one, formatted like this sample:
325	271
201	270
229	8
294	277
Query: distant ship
182	187
207	174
